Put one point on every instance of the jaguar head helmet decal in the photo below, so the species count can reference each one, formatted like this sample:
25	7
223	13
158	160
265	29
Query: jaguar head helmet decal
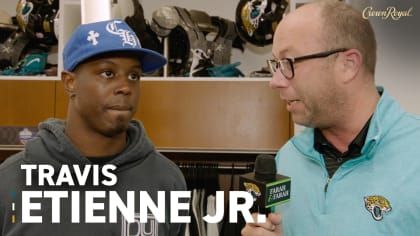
251	14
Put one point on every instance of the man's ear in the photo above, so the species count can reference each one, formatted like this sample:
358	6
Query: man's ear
351	64
69	83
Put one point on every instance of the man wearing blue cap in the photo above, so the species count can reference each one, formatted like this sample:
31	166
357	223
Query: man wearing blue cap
96	173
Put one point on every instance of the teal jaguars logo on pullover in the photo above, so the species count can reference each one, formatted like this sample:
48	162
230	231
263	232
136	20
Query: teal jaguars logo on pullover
377	206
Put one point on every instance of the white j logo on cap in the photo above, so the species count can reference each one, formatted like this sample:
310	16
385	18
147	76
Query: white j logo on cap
92	37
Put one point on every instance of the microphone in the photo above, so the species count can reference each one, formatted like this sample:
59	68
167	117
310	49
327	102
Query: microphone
266	186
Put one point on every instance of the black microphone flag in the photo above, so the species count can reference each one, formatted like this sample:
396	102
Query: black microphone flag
266	186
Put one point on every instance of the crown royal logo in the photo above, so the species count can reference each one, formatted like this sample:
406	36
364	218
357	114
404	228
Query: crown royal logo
390	12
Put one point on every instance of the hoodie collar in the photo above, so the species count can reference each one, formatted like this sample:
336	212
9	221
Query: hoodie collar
53	146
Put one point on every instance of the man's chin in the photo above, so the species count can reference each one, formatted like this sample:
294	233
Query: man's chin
114	132
116	128
299	120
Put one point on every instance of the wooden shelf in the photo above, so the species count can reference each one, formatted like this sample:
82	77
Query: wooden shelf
220	116
32	78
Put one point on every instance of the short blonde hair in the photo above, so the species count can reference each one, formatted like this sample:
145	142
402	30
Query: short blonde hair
344	27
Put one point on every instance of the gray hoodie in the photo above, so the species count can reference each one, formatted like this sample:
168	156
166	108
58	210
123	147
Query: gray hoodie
139	168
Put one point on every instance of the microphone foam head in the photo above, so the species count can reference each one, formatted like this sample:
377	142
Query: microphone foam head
265	167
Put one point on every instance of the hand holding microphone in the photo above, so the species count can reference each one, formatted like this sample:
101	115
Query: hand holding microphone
268	189
272	226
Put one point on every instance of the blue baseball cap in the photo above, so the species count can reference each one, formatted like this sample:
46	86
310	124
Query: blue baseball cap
114	35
